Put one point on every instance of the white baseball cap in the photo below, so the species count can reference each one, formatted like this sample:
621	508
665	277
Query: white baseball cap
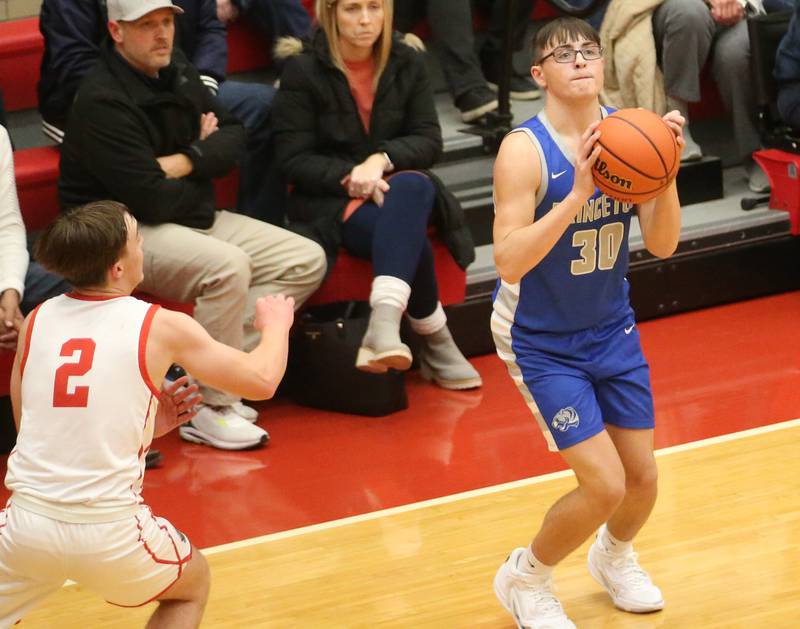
130	10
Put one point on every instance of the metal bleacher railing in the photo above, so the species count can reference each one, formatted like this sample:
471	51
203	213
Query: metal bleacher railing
498	123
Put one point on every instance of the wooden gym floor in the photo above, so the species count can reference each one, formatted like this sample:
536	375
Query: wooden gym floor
402	521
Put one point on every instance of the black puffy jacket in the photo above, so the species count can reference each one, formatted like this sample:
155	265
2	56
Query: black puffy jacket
319	138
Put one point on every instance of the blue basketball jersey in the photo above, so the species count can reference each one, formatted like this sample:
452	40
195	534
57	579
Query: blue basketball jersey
581	282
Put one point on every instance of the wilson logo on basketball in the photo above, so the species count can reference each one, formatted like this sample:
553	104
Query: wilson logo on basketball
602	169
638	157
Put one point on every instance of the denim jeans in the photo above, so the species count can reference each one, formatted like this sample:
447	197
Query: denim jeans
41	285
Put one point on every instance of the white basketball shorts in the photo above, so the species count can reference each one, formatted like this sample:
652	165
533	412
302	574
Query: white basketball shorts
128	562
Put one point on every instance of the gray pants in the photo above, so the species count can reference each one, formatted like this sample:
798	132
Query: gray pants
453	40
224	269
451	27
686	36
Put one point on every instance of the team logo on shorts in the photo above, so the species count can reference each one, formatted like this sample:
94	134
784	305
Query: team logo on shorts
565	419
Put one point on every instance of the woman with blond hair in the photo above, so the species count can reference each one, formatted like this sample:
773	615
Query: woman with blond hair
355	105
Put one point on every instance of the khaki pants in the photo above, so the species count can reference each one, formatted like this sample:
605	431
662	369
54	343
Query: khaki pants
224	270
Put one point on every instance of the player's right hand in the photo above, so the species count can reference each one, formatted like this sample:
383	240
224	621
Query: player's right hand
583	187
178	402
274	310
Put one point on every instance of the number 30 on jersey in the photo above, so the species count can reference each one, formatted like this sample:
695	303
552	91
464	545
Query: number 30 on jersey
599	248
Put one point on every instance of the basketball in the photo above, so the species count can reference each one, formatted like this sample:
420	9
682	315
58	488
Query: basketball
639	155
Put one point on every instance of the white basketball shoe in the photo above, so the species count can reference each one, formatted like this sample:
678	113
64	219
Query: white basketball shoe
221	427
624	579
529	599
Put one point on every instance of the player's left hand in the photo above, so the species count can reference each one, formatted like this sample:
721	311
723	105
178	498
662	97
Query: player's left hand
675	121
178	403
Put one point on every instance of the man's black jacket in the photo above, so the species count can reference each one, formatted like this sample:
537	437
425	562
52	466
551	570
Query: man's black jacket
123	120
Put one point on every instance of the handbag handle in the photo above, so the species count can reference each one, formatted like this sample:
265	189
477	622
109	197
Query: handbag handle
348	311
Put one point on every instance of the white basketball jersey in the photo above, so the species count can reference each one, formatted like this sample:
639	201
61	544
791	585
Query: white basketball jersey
88	408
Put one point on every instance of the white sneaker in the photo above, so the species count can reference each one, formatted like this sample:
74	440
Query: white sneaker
624	579
527	598
248	412
221	427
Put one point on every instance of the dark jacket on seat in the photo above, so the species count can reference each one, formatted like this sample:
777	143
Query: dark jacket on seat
123	120
319	138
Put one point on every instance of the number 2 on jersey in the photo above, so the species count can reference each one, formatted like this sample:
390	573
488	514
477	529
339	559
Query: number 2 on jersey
599	248
78	398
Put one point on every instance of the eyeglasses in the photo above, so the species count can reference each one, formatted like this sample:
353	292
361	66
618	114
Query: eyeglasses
566	54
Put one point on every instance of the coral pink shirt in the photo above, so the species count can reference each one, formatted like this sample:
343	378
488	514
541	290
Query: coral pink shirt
360	77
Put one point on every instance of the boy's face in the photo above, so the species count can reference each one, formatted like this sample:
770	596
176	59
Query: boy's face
564	71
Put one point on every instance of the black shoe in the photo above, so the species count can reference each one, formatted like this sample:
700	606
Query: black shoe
152	459
475	103
521	87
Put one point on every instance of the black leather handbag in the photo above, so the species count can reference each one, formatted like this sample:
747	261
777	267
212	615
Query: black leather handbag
321	371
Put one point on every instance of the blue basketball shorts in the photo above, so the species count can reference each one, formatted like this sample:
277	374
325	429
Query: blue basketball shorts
574	383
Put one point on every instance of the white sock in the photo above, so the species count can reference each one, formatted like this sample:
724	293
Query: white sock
389	290
531	565
612	544
430	324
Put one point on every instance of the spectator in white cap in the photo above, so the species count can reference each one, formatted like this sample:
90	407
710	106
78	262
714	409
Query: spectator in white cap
131	10
146	131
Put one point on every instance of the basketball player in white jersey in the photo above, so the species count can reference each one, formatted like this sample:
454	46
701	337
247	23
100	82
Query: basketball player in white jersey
86	408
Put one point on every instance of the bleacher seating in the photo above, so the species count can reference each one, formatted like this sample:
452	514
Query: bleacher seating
21	47
36	169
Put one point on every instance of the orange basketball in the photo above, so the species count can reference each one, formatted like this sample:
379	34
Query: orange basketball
638	158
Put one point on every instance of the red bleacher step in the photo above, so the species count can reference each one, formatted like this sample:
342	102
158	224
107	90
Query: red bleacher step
21	47
351	278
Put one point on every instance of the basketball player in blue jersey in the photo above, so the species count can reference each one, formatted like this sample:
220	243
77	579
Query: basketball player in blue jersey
563	324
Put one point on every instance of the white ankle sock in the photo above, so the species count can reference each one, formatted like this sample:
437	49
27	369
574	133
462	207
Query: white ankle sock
612	544
430	324
389	290
531	565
